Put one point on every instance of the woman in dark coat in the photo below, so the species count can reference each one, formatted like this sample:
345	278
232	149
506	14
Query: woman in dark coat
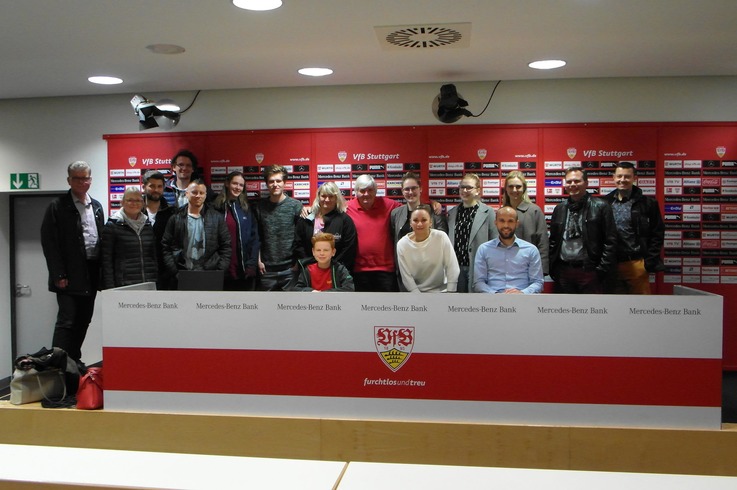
233	205
128	245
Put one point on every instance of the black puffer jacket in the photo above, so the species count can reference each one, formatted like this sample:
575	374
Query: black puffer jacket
127	257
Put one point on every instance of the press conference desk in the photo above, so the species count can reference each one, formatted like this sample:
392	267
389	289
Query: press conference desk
617	361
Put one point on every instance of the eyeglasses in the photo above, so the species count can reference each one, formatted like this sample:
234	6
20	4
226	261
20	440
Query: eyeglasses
467	187
82	179
410	189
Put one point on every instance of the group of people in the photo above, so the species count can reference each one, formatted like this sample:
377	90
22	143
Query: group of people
370	243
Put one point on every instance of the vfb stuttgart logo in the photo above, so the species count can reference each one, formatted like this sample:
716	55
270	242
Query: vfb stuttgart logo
394	345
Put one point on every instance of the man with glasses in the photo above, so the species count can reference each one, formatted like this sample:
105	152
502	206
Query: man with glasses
70	240
183	166
583	238
374	269
470	225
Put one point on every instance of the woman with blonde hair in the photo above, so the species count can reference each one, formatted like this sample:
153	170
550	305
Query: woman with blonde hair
328	216
128	245
470	225
531	225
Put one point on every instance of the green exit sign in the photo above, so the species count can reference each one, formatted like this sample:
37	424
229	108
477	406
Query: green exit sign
24	181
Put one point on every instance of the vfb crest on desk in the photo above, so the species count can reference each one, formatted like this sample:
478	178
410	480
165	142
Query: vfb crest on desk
394	345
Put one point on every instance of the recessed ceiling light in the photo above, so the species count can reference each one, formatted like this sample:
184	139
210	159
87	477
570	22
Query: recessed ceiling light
546	64
103	80
257	4
165	48
315	72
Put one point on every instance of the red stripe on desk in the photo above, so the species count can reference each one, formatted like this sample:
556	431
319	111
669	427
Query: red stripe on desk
501	378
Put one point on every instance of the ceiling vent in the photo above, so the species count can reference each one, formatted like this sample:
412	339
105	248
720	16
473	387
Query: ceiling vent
429	36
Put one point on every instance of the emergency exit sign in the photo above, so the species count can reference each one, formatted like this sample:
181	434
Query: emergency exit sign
24	181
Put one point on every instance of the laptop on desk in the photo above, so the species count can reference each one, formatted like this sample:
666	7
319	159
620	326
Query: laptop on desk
200	280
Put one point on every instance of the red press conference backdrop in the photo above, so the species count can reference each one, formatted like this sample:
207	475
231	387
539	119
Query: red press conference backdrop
691	168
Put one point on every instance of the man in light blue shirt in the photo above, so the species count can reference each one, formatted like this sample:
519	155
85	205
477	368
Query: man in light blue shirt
507	264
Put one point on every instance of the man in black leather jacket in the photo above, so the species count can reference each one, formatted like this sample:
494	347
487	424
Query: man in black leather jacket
640	230
583	238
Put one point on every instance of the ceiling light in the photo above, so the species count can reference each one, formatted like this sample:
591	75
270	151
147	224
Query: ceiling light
150	116
315	72
165	48
257	4
103	80
546	64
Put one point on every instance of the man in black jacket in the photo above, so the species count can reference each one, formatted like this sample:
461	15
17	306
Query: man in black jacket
158	211
583	238
640	231
70	234
196	236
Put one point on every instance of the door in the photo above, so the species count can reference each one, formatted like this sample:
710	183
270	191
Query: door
34	305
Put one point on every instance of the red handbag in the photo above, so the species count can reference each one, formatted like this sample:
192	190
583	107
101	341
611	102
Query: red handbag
89	395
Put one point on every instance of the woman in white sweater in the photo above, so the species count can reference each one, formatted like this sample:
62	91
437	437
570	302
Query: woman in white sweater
427	262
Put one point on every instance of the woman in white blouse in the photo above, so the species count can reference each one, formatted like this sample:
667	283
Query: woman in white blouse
427	261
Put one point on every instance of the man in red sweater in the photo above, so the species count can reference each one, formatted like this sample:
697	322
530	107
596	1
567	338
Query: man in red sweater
374	268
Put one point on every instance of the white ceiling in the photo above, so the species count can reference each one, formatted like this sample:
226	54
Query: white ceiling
50	47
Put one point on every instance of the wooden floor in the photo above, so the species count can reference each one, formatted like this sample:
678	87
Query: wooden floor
699	452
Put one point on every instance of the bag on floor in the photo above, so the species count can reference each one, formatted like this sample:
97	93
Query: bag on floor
30	385
47	375
89	395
